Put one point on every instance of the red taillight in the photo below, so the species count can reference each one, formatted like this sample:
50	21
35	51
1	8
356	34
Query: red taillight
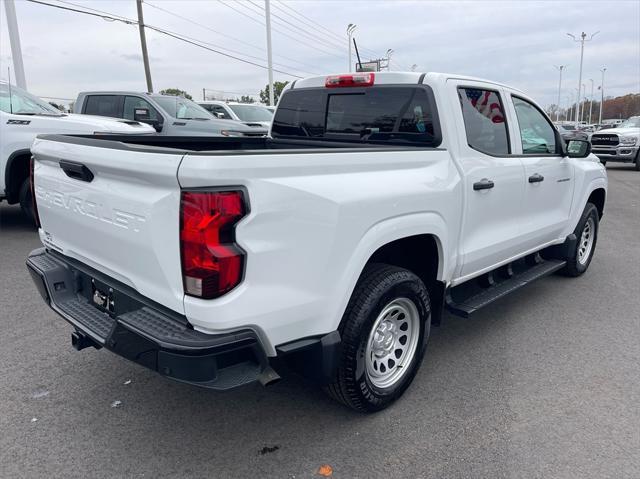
212	264
32	187
355	79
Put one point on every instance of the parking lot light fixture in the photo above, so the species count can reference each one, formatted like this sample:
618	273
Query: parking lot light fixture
350	29
561	67
583	38
601	95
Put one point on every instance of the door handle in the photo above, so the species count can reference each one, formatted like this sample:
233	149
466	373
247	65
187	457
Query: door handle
483	184
536	178
76	171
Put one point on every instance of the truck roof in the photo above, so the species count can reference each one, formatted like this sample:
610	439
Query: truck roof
387	78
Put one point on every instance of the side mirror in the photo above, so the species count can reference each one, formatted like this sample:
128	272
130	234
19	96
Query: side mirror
578	148
143	116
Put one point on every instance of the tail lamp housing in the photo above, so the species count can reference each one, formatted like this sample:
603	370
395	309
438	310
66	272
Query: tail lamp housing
212	262
352	79
32	187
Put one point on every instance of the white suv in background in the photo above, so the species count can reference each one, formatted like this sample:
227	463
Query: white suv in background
250	114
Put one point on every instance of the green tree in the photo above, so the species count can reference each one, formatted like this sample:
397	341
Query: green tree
278	86
247	99
176	92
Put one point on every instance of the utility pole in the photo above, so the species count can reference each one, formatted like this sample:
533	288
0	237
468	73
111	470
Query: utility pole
350	29
601	96
583	37
591	102
561	67
143	42
389	53
204	95
14	40
267	14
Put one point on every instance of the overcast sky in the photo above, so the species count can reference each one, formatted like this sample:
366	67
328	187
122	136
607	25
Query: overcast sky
515	42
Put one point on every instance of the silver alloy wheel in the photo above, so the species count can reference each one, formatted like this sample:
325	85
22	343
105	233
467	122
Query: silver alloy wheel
586	241
392	342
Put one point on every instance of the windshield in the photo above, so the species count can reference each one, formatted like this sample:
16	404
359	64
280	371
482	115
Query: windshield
633	122
23	103
182	109
252	112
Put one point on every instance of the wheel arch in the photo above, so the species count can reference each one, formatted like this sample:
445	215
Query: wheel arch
598	197
403	242
16	171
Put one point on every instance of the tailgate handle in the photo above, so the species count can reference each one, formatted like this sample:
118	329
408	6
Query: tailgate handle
77	171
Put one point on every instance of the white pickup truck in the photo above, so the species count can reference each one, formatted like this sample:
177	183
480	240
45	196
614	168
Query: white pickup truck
330	248
23	117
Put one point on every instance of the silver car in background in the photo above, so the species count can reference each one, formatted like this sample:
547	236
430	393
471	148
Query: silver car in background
169	115
250	114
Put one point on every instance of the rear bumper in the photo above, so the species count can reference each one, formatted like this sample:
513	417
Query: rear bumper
626	154
142	331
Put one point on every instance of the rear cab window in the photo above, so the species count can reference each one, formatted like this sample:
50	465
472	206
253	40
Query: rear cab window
380	114
104	105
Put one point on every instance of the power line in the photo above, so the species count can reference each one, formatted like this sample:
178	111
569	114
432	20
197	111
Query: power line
297	39
225	35
337	36
176	36
330	43
281	24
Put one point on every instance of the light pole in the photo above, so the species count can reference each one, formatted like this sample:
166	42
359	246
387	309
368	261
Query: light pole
591	102
389	53
14	40
583	101
582	39
601	96
561	67
567	114
267	16
350	29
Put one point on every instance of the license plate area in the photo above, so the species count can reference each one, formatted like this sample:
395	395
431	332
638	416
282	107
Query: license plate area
103	296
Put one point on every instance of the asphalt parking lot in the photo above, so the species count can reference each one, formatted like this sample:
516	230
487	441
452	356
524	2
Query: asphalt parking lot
545	383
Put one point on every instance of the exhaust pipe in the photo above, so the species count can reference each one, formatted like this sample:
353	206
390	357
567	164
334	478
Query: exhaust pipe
268	376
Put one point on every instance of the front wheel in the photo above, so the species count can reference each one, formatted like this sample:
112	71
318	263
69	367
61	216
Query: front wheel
587	236
637	162
384	335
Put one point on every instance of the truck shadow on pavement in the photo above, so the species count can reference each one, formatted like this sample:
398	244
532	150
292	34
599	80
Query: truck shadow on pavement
12	219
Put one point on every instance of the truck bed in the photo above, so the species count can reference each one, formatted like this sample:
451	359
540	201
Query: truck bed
211	145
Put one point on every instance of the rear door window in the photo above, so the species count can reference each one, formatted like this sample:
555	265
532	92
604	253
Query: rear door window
397	114
104	105
484	120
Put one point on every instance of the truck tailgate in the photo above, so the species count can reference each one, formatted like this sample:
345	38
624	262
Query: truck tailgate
122	218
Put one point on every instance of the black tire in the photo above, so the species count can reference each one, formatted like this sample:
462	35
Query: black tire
604	162
378	286
26	200
574	266
637	162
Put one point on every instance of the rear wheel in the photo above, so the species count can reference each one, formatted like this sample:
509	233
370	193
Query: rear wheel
384	335
26	200
587	236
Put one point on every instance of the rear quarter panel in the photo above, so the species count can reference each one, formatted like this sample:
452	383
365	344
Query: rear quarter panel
315	219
